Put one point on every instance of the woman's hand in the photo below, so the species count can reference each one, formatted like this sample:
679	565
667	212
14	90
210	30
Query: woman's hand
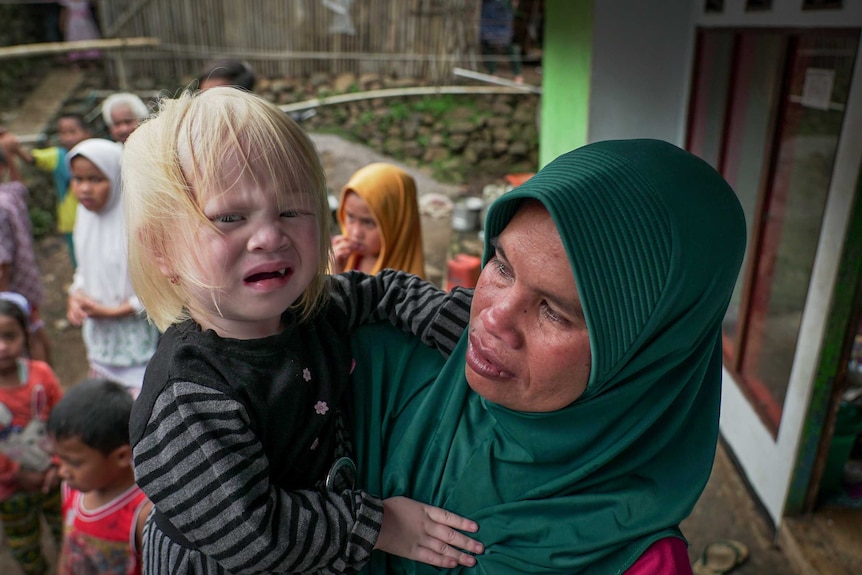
341	249
425	533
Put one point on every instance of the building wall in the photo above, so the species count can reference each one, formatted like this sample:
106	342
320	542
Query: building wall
566	63
642	53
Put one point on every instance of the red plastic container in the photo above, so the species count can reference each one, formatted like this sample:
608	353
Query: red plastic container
463	271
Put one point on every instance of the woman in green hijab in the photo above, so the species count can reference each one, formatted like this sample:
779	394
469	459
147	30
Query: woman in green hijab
577	418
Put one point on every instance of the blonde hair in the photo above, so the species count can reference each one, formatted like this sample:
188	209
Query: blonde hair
175	161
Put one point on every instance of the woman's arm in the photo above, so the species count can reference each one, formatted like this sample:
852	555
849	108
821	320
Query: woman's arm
408	302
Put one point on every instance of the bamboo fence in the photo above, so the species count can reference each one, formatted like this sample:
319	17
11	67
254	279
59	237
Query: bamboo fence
402	38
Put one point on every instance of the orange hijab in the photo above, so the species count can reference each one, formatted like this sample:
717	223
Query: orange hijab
390	193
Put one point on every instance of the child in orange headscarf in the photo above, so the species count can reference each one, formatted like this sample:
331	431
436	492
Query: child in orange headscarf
380	225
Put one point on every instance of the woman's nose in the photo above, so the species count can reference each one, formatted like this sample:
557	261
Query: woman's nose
503	318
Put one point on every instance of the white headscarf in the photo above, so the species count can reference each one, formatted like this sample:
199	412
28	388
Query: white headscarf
100	237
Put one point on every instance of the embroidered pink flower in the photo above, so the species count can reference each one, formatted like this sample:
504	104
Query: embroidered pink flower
306	374
321	408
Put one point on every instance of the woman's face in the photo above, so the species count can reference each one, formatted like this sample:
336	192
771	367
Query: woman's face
529	349
123	123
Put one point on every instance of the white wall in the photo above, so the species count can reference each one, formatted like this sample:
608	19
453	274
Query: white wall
642	53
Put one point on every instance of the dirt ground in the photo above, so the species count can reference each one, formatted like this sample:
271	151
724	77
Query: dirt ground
69	358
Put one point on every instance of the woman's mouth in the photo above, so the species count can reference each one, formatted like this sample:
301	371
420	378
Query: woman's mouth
483	362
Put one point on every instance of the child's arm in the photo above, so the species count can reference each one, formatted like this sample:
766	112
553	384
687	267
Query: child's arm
96	310
408	302
141	521
206	471
204	468
9	145
80	307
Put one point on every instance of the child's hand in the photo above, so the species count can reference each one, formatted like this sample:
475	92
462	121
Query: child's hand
31	481
9	142
341	249
76	311
425	533
51	479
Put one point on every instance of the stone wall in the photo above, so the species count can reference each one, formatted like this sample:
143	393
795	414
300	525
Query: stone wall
460	137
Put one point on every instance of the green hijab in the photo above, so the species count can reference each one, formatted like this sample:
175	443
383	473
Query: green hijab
655	238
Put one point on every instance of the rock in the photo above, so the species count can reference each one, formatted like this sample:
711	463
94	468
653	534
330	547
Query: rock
344	82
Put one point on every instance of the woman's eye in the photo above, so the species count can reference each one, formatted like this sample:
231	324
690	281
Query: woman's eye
500	267
551	314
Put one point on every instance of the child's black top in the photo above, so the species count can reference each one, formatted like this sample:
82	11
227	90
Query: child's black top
233	438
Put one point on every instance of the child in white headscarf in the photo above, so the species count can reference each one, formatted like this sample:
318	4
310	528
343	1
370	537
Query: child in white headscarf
118	337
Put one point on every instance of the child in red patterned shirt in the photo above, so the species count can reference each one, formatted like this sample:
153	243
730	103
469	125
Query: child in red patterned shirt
103	510
28	482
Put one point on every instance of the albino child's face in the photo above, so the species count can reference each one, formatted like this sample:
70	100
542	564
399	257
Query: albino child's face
262	255
90	186
362	229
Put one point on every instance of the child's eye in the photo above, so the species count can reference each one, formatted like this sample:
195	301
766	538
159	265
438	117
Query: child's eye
226	219
290	214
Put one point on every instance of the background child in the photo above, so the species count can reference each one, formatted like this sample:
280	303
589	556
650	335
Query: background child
119	339
19	271
103	510
72	129
28	483
380	223
239	421
77	23
227	72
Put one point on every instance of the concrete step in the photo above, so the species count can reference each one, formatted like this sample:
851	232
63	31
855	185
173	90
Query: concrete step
40	107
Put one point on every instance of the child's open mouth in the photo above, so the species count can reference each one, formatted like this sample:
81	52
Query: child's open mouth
264	276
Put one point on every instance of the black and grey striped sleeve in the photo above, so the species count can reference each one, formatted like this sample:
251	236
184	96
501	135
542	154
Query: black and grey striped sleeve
206	471
408	302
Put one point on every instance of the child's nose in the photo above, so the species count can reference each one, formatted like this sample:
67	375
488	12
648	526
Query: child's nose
268	236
